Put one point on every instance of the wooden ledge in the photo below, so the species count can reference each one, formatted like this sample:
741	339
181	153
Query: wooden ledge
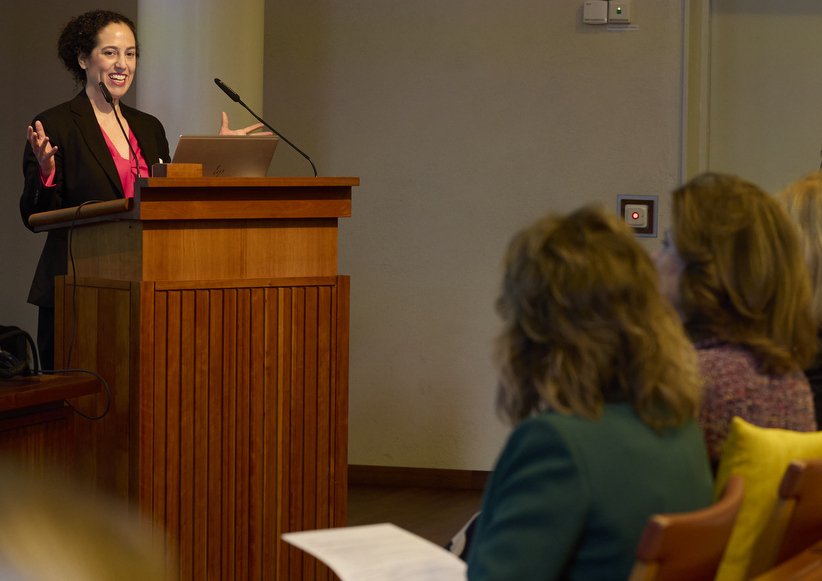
64	217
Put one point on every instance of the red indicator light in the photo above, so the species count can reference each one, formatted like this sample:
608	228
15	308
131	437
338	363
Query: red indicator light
635	215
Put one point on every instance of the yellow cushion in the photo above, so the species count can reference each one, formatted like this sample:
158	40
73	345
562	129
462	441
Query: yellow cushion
760	456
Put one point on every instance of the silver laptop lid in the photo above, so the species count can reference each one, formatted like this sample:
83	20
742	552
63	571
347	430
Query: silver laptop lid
227	155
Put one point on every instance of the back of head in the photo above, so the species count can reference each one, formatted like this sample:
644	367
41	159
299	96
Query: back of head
585	323
744	280
803	202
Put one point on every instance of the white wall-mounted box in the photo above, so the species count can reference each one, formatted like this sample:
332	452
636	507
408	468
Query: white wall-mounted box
595	12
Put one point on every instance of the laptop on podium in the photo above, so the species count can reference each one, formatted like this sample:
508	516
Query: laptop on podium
227	155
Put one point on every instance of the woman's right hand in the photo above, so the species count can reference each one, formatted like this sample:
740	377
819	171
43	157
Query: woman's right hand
43	150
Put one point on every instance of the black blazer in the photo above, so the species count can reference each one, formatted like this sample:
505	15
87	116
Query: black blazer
85	171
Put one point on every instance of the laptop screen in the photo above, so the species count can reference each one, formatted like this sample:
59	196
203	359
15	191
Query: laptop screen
227	155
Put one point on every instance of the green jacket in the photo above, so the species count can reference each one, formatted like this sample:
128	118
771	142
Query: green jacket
569	497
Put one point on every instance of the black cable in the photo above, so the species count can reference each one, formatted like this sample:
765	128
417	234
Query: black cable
74	308
75	322
106	389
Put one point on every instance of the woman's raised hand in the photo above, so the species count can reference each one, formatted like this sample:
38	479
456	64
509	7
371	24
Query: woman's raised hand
43	150
226	130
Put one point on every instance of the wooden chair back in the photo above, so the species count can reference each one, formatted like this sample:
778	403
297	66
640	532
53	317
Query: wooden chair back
806	565
796	521
688	545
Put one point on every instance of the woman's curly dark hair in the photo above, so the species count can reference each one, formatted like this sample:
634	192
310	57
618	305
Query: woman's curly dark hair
79	37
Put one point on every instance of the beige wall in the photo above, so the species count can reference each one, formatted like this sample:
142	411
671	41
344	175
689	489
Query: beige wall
765	89
465	120
186	44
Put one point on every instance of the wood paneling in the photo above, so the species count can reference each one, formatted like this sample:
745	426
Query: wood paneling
109	250
250	396
192	250
92	332
239	421
36	429
195	251
39	441
21	392
59	218
245	198
214	309
214	198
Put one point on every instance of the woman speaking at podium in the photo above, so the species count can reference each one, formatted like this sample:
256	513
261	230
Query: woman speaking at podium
91	148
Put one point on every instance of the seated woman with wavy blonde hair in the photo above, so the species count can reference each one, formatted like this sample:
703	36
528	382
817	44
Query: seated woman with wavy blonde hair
735	269
601	385
803	201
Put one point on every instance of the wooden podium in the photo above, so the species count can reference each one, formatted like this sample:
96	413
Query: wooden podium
214	308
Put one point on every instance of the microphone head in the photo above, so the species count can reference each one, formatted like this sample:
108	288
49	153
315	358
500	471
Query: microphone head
106	93
228	91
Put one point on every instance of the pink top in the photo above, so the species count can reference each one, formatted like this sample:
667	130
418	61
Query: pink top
734	387
125	167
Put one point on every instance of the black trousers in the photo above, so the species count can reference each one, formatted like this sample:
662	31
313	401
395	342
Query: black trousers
45	337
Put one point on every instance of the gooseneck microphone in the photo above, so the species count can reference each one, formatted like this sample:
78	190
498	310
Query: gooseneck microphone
228	91
236	98
110	100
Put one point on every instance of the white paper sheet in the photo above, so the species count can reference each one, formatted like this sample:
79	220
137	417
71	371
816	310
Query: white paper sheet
382	552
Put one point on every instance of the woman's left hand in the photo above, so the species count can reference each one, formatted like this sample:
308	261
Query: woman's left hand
226	130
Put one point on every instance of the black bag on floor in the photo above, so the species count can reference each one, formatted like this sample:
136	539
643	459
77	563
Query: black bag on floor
17	349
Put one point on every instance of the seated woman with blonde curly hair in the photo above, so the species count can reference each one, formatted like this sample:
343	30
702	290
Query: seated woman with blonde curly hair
735	271
600	382
803	201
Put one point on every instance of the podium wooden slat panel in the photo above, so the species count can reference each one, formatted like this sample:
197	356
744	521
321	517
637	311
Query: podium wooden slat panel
216	313
202	418
262	362
216	430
